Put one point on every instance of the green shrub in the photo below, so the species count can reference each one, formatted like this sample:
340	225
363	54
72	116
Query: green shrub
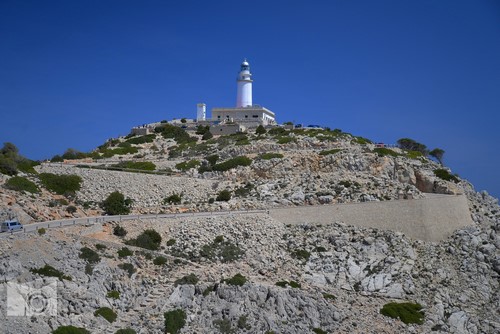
106	313
190	279
285	140
160	260
70	330
100	246
19	183
232	163
224	326
445	175
116	204
237	280
223	196
278	131
201	130
187	165
218	239
207	135
89	255
119	231
409	313
292	284
138	165
171	242
261	130
212	159
225	251
414	154
128	267
176	133
50	271
126	331
362	141
244	191
301	254
71	209
173	199
269	156
142	139
329	296
382	151
209	289
61	184
113	294
89	269
328	152
411	145
41	231
124	252
149	239
242	323
211	200
174	321
319	331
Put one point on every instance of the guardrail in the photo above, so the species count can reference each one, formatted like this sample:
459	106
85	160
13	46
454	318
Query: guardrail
120	218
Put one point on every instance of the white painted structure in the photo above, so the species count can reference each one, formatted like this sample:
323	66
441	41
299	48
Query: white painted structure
244	80
201	112
245	113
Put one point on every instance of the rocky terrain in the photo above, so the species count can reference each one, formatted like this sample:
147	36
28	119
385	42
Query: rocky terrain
331	278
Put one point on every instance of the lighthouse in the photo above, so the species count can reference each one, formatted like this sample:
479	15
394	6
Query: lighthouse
244	82
245	114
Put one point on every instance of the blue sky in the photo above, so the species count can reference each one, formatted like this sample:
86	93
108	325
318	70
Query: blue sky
75	73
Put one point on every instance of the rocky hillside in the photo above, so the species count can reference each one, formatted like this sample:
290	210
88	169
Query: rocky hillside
250	273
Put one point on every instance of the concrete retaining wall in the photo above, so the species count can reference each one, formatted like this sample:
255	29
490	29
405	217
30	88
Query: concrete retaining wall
429	219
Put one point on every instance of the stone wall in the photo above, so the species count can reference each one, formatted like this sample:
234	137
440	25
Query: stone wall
430	219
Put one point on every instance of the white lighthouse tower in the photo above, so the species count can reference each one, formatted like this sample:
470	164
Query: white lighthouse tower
244	95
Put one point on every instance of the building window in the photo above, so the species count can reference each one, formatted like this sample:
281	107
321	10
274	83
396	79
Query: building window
255	116
246	116
218	116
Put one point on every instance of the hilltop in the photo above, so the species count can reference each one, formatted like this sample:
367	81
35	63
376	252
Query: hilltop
295	277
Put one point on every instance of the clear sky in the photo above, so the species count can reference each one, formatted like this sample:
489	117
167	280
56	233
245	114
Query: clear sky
75	73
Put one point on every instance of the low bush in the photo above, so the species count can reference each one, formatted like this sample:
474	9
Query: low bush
209	289
291	284
113	294
414	154
362	141
232	163
301	254
70	330
89	255
71	209
445	175
329	296
41	231
237	280
319	331
106	313
61	184
409	313
100	246
116	204
50	271
19	183
171	242
190	279
128	267
160	260
382	151
138	165
269	156
119	231
242	323
244	191
278	131
222	250
126	331
285	140
174	321
124	252
142	139
149	239
212	159
173	199
223	196
328	152
260	130
187	165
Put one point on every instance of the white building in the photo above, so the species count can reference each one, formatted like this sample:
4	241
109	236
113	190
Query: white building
245	112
